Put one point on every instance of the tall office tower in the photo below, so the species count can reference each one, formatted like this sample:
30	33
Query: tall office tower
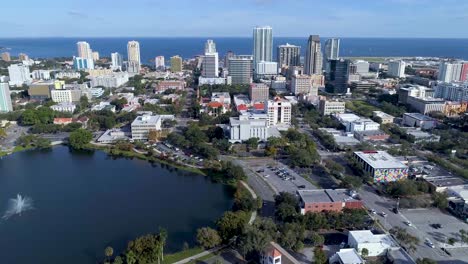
117	61
176	63
397	69
338	76
240	69
159	63
228	55
95	55
23	57
313	60
464	72
210	61
6	56
263	44
450	72
133	53
19	74
332	49
259	92
5	98
210	46
83	63
84	50
289	55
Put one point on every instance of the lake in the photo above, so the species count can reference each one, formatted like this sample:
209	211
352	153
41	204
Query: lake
84	202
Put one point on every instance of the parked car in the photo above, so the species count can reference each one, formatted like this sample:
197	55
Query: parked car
383	214
372	211
429	243
301	186
408	223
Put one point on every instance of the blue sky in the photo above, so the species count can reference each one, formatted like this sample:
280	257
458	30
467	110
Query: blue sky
343	18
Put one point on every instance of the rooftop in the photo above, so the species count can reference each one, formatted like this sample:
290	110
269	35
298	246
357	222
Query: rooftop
380	159
325	196
146	119
444	181
419	116
366	236
349	255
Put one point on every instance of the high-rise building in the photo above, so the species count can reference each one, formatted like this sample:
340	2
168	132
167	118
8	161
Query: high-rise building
360	67
332	49
228	55
397	69
83	63
450	72
159	63
452	91
263	44
6	56
176	63
240	69
5	98
133	53
84	50
464	72
95	55
338	76
278	111
19	74
289	55
117	61
259	92
210	61
23	57
313	60
307	84
266	69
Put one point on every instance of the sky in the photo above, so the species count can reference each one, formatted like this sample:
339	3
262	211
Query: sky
216	18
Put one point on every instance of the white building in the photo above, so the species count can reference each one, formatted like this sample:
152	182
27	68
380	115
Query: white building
96	92
381	166
210	65
19	74
5	98
266	69
397	69
95	55
248	125
142	125
110	81
60	96
67	74
133	52
419	120
117	61
362	124
279	112
263	45
221	97
425	105
346	256
450	72
64	107
211	81
84	50
80	63
301	84
159	63
362	67
41	75
328	107
452	91
377	245
103	106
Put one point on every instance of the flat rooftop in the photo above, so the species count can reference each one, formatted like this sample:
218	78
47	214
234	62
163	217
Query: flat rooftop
419	116
146	119
349	255
445	181
380	160
366	236
325	196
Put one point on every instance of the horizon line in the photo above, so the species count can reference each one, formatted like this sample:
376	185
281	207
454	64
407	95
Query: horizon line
299	37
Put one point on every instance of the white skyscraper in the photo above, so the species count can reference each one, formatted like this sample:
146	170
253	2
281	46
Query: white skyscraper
263	44
332	49
160	63
117	61
210	46
19	74
450	72
313	60
397	69
5	98
133	52
210	60
84	50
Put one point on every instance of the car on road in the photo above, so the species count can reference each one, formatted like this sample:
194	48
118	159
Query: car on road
395	210
383	214
436	226
429	243
266	176
301	186
408	223
372	211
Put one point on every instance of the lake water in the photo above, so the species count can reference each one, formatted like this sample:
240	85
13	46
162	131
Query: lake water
84	202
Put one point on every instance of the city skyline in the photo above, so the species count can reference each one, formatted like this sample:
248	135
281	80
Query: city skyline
437	19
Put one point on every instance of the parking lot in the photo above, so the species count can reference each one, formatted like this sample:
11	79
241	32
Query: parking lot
279	175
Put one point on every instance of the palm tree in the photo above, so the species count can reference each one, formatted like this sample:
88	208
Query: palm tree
162	240
109	251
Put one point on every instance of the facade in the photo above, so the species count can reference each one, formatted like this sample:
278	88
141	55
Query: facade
60	96
279	112
313	59
362	124
419	120
259	92
425	105
301	84
159	63
346	256
96	92
19	74
263	45
98	72
381	166
240	69
67	74
95	55
361	67
415	91
133	53
450	72
289	55
117	61
371	135
165	85
80	63
64	107
40	75
452	91
328	107
176	63
5	98
266	69
332	49
84	50
114	80
248	125
211	81
397	69
338	77
6	56
210	65
142	125
384	117
377	245
40	90
317	201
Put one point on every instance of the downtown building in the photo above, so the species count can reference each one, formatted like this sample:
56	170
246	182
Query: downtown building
307	84
19	74
279	112
5	98
289	55
84	50
397	69
113	80
455	91
240	69
133	57
210	61
381	166
313	59
332	52
337	81
259	92
159	63
176	63
80	63
6	56
263	45
117	61
452	72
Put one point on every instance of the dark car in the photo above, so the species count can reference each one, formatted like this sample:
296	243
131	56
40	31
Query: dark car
301	186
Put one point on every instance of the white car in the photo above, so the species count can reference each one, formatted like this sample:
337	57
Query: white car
372	211
383	214
266	176
408	223
429	243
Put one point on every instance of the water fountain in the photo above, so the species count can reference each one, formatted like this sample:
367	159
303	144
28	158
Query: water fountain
18	205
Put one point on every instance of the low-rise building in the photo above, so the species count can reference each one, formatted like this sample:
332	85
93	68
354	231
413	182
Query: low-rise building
104	106
442	183
211	81
113	135
458	200
381	166
346	256
279	112
327	200
377	245
275	254
166	85
371	135
421	136
40	90
64	107
142	125
114	80
452	109
362	124
407	90
383	117
41	74
419	120
248	125
96	92
342	139
328	107
426	105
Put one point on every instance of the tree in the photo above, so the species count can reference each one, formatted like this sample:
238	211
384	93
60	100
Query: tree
292	236
3	133
440	200
252	143
109	251
153	135
464	235
425	261
315	239
80	138
365	252
231	224
319	256
208	237
404	237
118	260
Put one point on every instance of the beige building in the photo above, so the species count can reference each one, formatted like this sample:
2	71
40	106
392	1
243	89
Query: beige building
84	50
6	56
176	64
40	90
99	72
133	52
259	92
301	84
95	55
328	107
384	117
278	111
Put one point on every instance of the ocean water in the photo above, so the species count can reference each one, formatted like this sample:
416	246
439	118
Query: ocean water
190	47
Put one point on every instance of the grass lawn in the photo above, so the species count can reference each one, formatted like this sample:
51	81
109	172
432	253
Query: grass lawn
171	258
